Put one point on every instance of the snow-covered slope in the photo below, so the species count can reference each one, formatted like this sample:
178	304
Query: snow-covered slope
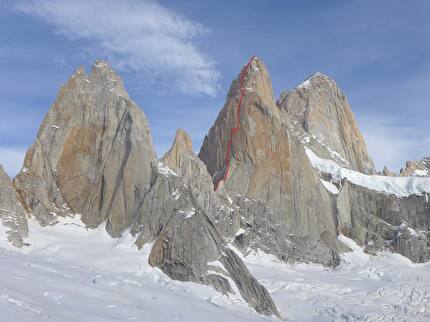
74	274
400	186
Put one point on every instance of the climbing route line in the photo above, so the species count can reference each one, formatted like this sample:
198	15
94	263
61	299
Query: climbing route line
237	125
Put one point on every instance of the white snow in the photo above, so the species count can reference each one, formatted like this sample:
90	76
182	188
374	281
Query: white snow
387	287
400	186
330	187
240	232
165	170
229	199
55	126
421	173
176	194
307	82
74	274
188	213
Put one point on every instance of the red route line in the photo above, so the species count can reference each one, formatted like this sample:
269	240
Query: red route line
237	127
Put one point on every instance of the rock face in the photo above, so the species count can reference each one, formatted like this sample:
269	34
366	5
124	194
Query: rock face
419	168
268	164
186	218
12	215
182	160
91	156
318	107
379	221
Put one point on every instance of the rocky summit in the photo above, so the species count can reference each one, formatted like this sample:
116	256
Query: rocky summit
290	177
320	109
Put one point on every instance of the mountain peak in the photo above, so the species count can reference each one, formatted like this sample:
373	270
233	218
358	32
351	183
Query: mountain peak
322	112
182	142
105	77
93	137
254	78
181	146
317	78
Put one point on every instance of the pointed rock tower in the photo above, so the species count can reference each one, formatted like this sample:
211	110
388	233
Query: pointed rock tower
244	150
318	107
91	156
262	161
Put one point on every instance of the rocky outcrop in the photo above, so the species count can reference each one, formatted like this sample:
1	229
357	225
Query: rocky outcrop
217	205
320	109
12	214
91	156
266	163
188	246
420	168
386	172
385	221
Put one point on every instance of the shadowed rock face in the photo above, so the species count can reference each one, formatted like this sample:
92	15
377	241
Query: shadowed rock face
182	160
91	156
379	221
320	109
187	238
12	215
268	164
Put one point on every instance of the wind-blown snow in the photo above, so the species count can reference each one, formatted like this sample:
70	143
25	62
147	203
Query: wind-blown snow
74	274
400	186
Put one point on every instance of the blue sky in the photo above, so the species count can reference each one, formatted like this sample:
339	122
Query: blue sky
178	59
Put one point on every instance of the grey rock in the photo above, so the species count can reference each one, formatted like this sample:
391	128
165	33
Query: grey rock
94	137
386	172
188	241
379	221
320	109
12	215
217	205
420	168
269	164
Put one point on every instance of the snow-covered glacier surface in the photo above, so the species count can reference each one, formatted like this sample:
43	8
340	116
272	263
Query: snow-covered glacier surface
400	186
73	274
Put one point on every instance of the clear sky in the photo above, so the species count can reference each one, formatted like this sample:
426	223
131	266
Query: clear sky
178	58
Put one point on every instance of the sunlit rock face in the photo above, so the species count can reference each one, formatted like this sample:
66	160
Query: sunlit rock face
269	164
91	156
321	110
